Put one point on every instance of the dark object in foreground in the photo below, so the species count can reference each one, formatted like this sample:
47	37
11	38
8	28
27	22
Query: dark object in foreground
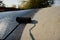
23	19
20	20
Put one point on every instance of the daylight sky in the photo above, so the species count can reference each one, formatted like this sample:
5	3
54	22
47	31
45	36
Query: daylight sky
57	2
9	3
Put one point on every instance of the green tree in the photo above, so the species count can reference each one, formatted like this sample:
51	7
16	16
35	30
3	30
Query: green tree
36	4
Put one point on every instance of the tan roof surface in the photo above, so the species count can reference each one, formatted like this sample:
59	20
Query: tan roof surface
48	26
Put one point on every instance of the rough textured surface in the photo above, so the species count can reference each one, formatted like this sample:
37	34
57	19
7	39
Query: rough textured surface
48	26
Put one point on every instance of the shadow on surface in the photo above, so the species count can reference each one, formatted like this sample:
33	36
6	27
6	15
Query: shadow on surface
30	30
16	35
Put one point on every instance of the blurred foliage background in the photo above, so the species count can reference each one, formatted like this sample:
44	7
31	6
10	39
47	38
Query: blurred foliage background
32	4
